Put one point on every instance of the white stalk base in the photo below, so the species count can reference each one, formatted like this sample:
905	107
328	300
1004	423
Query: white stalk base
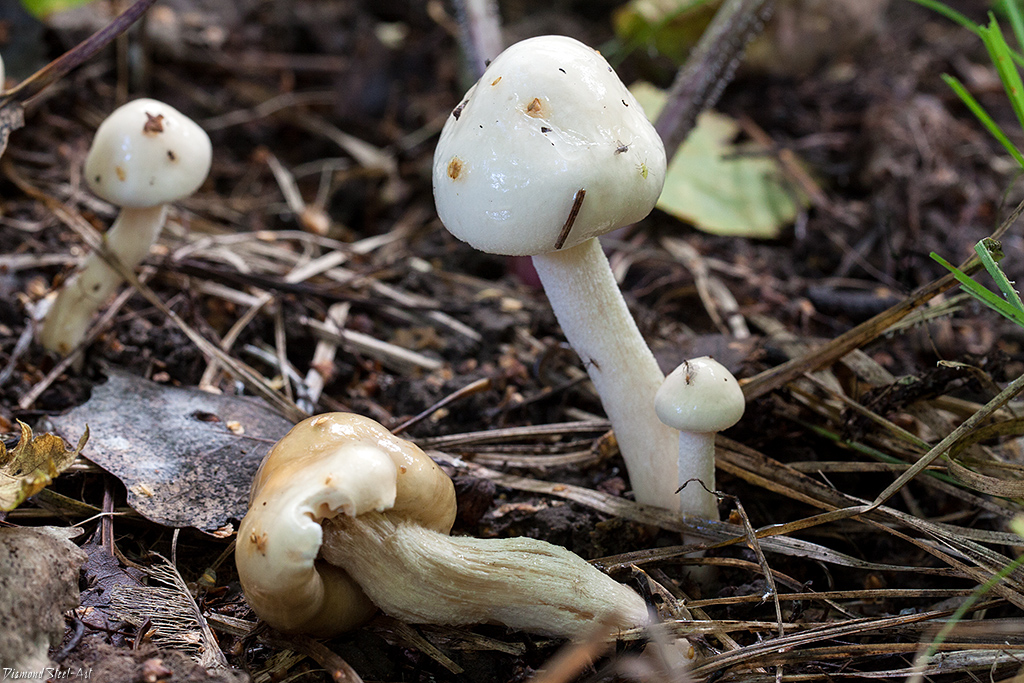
590	308
129	238
426	577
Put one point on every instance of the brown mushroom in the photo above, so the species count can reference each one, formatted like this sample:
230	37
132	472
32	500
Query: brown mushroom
343	516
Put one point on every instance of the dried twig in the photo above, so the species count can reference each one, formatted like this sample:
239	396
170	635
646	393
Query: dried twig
710	67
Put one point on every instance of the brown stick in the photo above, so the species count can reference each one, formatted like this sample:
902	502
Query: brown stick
74	57
710	67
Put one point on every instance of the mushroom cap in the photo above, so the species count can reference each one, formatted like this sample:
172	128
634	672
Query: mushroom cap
328	465
147	153
548	118
700	395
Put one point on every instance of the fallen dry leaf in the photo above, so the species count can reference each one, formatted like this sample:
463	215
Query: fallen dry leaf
32	465
186	456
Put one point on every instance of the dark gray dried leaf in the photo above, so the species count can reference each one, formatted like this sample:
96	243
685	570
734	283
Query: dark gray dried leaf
181	469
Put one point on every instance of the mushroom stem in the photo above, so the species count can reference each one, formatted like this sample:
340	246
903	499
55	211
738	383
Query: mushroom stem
594	317
423	576
129	238
697	461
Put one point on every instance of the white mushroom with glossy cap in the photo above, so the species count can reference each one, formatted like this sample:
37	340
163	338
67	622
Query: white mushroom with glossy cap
548	151
143	156
343	516
699	398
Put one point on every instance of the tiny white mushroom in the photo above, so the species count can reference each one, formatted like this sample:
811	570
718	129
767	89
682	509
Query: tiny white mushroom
699	398
548	151
143	156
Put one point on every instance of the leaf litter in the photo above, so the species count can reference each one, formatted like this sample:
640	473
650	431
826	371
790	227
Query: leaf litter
856	513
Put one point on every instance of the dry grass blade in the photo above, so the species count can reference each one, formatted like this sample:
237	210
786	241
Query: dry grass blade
965	656
751	538
250	377
574	658
720	534
409	635
393	356
482	384
531	432
878	594
337	668
74	57
956	539
994	486
858	336
952	439
763	653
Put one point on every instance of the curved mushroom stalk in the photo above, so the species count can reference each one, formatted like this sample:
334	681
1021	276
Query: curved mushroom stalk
129	238
423	576
594	317
328	465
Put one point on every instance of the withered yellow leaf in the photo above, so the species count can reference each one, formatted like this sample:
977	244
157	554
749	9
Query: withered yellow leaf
30	466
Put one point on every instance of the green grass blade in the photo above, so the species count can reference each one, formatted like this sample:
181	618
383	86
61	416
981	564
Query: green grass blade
1016	17
965	607
990	251
878	455
950	13
978	291
1002	58
983	116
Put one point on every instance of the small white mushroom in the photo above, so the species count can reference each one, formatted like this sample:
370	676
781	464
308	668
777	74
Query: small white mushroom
699	398
344	516
545	153
143	156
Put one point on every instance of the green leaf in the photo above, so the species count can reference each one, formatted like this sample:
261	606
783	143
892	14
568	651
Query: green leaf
719	187
41	8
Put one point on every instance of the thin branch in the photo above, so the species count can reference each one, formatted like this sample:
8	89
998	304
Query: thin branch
710	67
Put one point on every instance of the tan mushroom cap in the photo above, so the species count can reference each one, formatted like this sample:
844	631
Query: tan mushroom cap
328	465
